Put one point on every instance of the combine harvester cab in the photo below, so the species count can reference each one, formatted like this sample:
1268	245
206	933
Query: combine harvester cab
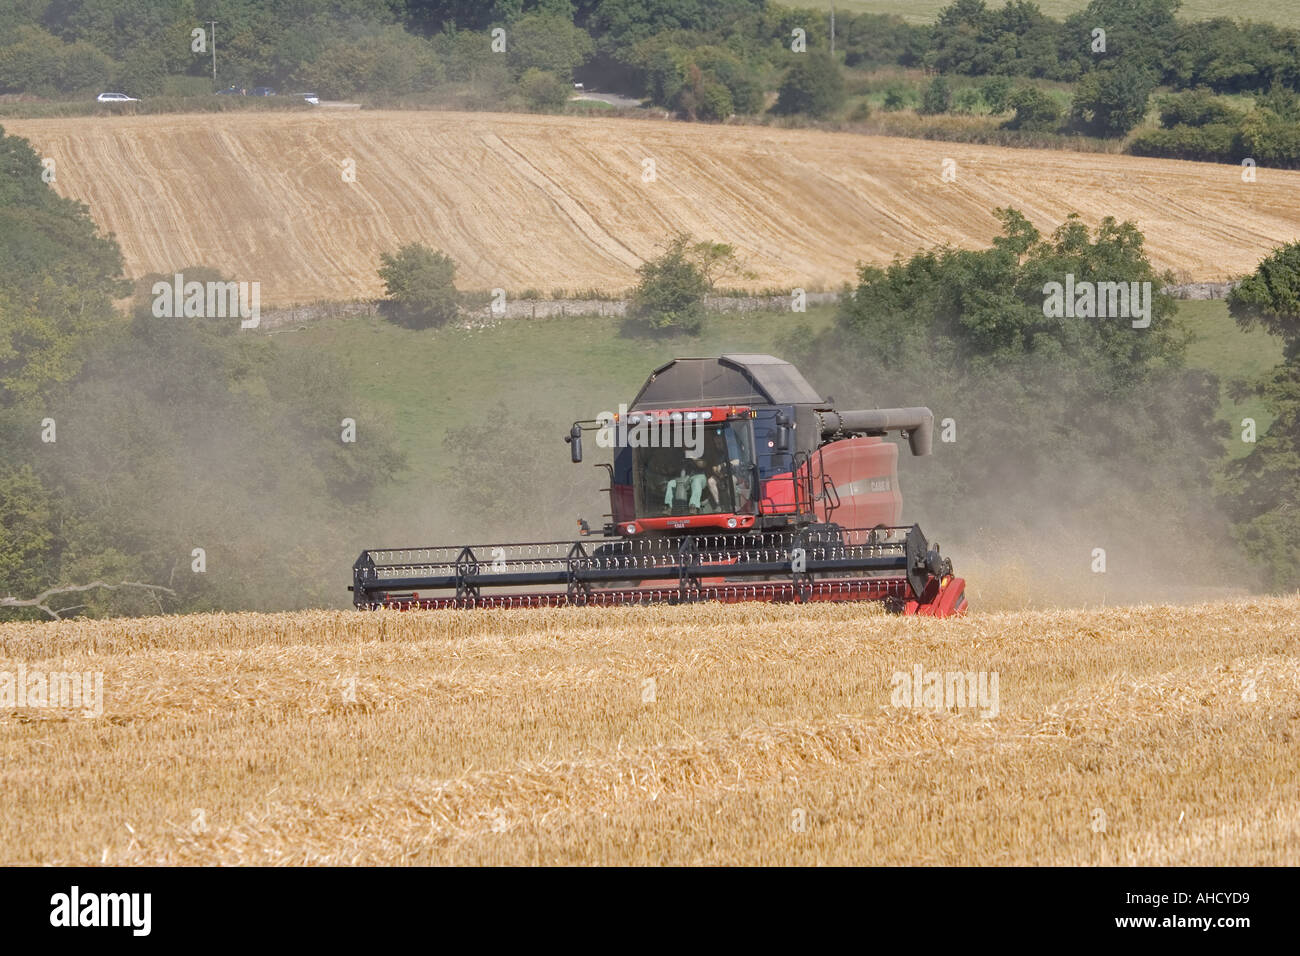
732	480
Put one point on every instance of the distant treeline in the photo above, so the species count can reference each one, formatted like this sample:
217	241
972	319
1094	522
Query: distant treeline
688	54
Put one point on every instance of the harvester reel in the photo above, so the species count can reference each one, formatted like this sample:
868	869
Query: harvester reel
816	563
466	574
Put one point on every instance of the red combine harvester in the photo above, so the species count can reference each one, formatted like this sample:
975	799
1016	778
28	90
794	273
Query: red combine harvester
732	480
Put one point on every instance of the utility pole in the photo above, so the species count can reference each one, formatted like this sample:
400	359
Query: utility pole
213	38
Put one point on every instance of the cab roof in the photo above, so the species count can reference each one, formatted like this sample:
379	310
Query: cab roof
732	379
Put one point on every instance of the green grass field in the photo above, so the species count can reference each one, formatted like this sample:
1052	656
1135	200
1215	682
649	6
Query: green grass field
1220	346
1282	12
559	370
556	370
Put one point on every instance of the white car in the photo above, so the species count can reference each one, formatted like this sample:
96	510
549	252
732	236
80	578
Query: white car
116	98
311	98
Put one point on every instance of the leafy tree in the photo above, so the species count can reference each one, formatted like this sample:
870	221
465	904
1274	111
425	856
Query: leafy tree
1035	111
967	101
544	91
60	280
32	62
467	58
187	432
142	72
1194	124
548	43
743	87
895	98
421	284
27	529
698	81
1214	142
660	63
1197	107
873	40
1281	101
1265	485
1061	422
813	85
996	92
84	68
1013	40
621	24
937	98
963	39
1271	139
390	63
171	433
477	15
1230	57
1269	298
669	299
19	13
1139	34
119	27
1112	101
702	97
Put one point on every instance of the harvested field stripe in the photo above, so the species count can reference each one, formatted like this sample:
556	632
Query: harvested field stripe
539	202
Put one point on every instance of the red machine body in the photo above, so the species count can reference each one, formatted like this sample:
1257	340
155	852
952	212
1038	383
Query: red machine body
732	480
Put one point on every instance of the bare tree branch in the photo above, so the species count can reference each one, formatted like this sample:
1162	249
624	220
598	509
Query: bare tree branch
40	600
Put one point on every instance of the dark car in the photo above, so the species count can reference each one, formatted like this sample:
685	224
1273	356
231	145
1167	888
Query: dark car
262	91
230	91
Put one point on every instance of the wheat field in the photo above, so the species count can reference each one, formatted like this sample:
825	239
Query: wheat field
546	202
743	734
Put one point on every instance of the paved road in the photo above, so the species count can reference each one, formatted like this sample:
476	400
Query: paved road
613	99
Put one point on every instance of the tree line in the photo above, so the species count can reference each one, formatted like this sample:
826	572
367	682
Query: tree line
1091	427
142	449
703	60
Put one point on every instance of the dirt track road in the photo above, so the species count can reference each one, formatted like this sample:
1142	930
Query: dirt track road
559	202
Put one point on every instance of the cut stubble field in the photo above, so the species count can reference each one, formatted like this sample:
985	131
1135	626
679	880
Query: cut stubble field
547	202
688	735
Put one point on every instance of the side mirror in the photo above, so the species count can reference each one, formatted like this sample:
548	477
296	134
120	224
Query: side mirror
782	434
575	443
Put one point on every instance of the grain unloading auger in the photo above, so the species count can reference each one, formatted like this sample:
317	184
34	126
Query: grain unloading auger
732	480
